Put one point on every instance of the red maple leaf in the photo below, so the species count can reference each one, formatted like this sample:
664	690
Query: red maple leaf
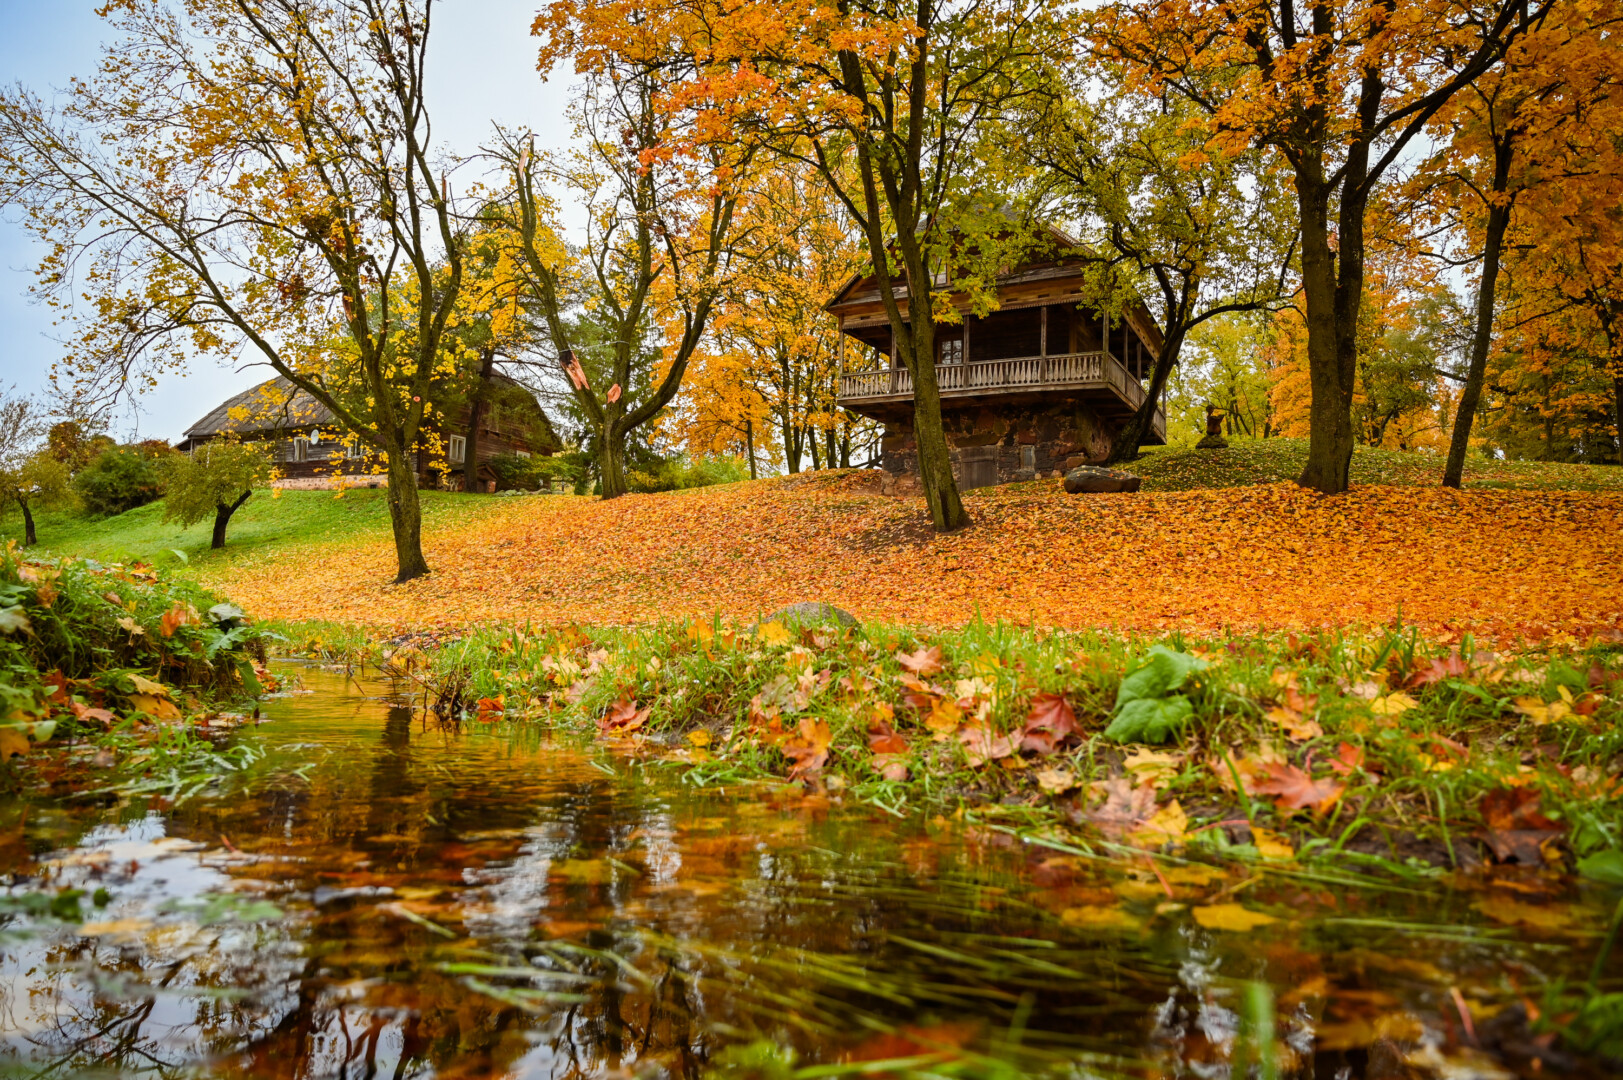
922	661
1049	723
623	718
1296	790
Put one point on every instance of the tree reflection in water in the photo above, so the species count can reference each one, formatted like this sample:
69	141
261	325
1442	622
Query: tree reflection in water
474	905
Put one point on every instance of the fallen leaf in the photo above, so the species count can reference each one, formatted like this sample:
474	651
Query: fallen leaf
1055	781
623	718
1233	917
1295	790
773	634
13	743
1049	723
1515	827
922	661
1153	767
1099	918
1394	704
159	708
1508	910
1271	845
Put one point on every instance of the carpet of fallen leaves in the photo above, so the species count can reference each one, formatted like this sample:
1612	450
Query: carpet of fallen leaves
1529	564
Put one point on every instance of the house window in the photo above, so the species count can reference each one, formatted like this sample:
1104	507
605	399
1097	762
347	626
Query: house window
1028	456
352	450
300	450
952	350
459	449
521	453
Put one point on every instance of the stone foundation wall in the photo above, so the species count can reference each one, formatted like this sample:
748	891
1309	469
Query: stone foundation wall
1004	445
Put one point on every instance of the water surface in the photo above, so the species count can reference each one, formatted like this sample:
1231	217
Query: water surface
387	897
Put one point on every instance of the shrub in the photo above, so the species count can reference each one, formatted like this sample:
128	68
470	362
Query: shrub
681	472
119	479
514	473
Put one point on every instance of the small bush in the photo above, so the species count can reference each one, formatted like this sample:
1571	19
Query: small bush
681	472
121	478
514	473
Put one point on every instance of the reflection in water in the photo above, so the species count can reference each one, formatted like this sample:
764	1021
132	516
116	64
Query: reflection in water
420	902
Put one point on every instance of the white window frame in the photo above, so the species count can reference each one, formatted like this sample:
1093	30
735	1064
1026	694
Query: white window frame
458	452
521	453
301	449
353	450
952	351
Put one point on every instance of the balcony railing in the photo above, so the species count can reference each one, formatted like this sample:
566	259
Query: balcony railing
1068	371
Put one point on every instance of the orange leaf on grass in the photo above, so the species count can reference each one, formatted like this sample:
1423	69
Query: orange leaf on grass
623	718
922	661
1296	790
1049	723
808	751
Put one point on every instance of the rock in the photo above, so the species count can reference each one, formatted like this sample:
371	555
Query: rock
902	486
1212	442
812	613
1090	479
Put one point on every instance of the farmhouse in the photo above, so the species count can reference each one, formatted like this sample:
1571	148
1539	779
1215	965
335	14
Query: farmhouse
1040	384
309	444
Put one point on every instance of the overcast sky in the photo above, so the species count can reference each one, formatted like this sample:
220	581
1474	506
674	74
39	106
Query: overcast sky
482	69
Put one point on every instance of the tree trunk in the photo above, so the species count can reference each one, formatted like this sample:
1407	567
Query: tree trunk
1481	336
405	515
1136	432
831	447
935	463
477	406
816	451
749	446
1617	416
29	538
1330	435
222	517
611	463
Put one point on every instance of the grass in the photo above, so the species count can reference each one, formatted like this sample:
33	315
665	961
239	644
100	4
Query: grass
263	525
1378	750
1269	461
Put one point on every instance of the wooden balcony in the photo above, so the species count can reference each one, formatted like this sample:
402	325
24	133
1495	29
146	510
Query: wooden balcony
1092	375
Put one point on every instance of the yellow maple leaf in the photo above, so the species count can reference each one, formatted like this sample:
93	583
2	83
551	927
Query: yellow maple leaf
1271	845
773	634
1394	704
1235	917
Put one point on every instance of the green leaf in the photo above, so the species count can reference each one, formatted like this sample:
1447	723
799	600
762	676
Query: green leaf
1163	672
225	613
1603	866
250	681
1150	720
179	554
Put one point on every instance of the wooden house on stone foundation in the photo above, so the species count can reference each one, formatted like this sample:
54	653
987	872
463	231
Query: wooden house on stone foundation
309	447
1041	384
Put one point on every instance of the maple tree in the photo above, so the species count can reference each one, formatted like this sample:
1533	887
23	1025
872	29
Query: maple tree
774	364
1203	235
248	180
661	244
898	108
1339	91
215	479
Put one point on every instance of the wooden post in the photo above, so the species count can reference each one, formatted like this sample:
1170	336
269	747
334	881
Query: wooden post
965	357
895	379
1042	331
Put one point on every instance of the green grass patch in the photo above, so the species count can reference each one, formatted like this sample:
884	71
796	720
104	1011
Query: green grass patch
263	526
1270	461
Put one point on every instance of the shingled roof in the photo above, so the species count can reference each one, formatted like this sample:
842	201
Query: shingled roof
273	405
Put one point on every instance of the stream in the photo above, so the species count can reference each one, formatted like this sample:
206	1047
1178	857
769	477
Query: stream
383	896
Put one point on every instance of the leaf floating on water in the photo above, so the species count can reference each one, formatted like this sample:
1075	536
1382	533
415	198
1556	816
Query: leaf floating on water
1235	917
1513	912
1099	918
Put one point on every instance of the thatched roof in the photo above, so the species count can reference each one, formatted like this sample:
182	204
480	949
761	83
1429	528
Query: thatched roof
273	405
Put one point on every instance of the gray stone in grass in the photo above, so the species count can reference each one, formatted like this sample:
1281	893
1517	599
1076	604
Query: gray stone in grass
809	613
1089	479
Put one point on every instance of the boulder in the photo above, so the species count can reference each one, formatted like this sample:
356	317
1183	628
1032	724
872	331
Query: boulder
809	613
1212	442
1089	479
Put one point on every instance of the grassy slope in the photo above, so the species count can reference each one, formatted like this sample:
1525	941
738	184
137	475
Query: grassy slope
263	526
1268	461
296	522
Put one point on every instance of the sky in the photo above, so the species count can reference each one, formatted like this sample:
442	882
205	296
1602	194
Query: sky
481	69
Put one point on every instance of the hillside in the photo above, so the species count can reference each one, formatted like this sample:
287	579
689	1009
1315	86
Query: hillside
1518	559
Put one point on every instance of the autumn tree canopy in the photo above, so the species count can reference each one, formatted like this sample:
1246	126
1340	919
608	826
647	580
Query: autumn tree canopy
239	180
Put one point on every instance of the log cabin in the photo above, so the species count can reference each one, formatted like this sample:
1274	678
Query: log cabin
307	442
1040	384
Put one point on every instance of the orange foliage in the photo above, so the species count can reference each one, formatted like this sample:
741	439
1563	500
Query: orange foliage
1501	562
